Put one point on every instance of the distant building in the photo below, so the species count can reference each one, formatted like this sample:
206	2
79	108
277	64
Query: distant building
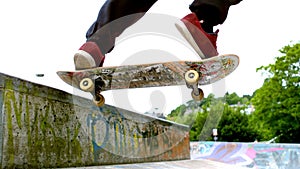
248	110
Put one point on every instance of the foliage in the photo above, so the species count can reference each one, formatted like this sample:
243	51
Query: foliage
231	121
184	114
277	102
232	99
235	126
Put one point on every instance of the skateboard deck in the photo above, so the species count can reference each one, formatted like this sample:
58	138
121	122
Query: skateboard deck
174	73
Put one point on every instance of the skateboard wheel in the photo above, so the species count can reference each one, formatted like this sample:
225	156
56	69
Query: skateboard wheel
100	100
191	77
198	97
87	85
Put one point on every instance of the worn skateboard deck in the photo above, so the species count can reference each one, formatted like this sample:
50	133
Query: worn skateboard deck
154	74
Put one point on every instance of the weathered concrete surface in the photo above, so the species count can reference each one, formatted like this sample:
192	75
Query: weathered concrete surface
44	127
180	164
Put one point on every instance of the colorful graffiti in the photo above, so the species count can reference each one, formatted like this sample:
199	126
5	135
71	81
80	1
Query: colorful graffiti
251	155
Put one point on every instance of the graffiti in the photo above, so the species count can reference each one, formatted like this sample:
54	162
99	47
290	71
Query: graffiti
251	155
43	127
36	129
114	132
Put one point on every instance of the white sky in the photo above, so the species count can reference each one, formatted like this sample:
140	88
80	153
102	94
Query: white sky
41	36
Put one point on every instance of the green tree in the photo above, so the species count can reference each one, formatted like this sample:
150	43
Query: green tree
232	99
185	113
198	126
177	112
235	127
213	110
231	121
277	102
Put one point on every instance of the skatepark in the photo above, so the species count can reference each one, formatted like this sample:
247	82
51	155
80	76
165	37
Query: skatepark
42	127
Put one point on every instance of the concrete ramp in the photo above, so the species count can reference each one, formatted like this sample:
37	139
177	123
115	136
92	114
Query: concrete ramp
251	155
42	127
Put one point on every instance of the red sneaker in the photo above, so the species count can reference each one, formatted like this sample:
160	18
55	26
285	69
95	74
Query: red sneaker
88	56
204	43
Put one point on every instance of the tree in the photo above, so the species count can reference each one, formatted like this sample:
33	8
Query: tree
235	127
198	126
277	102
231	121
185	113
177	112
232	99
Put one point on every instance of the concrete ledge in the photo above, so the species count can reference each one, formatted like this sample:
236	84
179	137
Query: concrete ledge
180	164
45	127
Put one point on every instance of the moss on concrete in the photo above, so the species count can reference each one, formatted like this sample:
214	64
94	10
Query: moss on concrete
47	128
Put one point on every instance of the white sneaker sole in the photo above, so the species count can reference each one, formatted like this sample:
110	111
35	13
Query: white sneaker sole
83	60
180	26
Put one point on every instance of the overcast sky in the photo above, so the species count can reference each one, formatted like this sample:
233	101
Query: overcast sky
41	36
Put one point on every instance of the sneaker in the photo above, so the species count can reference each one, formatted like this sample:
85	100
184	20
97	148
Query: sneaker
88	56
203	43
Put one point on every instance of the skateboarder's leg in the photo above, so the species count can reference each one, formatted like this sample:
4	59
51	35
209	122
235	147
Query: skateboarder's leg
120	14
113	18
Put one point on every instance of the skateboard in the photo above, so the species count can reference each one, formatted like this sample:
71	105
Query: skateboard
190	73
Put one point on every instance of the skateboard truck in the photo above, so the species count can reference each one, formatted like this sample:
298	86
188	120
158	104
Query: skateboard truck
191	78
88	85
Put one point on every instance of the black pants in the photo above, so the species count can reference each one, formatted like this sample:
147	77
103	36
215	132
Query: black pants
116	15
113	18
